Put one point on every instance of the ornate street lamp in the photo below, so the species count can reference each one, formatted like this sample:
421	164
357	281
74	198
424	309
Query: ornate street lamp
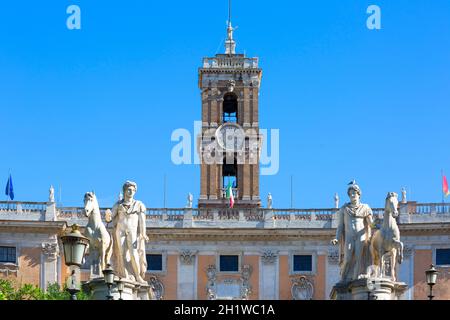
431	275
108	273
120	287
74	247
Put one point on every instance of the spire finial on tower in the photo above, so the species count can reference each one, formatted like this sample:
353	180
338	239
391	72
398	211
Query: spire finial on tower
230	44
229	12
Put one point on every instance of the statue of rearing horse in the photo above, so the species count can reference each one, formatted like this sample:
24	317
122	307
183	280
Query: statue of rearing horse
387	239
99	238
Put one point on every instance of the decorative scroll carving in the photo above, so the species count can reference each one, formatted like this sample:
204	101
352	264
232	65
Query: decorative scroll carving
50	250
157	287
211	289
302	289
269	256
228	288
407	251
187	256
246	288
333	256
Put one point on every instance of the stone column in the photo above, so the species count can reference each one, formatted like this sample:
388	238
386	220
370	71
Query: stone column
268	275
246	180
49	264
205	106
332	270
213	191
255	181
406	272
255	109
187	275
215	106
203	178
246	111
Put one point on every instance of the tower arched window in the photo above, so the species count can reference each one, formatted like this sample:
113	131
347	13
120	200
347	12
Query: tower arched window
230	108
229	173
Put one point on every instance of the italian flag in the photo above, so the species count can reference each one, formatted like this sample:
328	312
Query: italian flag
230	194
445	186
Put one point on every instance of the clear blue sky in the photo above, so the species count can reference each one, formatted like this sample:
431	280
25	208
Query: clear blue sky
87	109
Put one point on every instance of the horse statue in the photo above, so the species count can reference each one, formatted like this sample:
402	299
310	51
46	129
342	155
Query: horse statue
387	239
99	238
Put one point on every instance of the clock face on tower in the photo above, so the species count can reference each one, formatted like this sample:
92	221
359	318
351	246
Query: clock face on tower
231	137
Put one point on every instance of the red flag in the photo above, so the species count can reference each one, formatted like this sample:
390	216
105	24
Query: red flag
445	186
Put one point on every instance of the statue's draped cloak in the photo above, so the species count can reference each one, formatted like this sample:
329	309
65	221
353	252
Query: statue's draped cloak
136	207
361	211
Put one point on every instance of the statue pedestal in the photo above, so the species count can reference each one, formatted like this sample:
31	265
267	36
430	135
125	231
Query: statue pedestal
341	291
131	291
368	289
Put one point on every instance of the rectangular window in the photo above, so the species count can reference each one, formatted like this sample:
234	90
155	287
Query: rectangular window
8	254
154	262
442	257
302	263
229	263
86	263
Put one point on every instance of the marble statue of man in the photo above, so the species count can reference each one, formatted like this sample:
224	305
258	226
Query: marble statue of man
353	234
190	199
403	195
129	233
51	194
269	201
336	200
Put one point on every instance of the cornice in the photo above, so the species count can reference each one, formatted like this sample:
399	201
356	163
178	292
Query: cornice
212	234
32	226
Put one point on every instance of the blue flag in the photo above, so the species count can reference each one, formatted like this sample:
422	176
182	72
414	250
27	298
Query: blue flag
9	190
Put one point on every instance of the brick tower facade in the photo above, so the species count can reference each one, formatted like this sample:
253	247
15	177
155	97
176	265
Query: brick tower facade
230	142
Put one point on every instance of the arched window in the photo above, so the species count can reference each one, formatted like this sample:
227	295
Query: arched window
229	173
230	108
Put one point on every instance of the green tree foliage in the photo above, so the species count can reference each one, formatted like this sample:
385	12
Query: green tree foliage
11	291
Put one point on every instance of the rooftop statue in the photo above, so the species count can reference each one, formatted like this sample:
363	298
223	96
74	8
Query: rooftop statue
404	195
51	194
269	201
336	200
190	199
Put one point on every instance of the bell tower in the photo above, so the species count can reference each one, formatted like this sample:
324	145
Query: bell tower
230	143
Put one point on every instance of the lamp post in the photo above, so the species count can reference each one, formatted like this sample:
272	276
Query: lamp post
74	247
108	273
120	287
431	275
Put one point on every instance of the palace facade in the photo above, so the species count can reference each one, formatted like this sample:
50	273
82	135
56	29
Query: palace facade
216	252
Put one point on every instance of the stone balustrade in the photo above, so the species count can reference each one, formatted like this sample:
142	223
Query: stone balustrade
17	206
223	192
234	62
16	210
411	212
428	208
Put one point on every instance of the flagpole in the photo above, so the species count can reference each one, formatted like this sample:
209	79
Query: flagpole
292	194
442	186
164	191
9	176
